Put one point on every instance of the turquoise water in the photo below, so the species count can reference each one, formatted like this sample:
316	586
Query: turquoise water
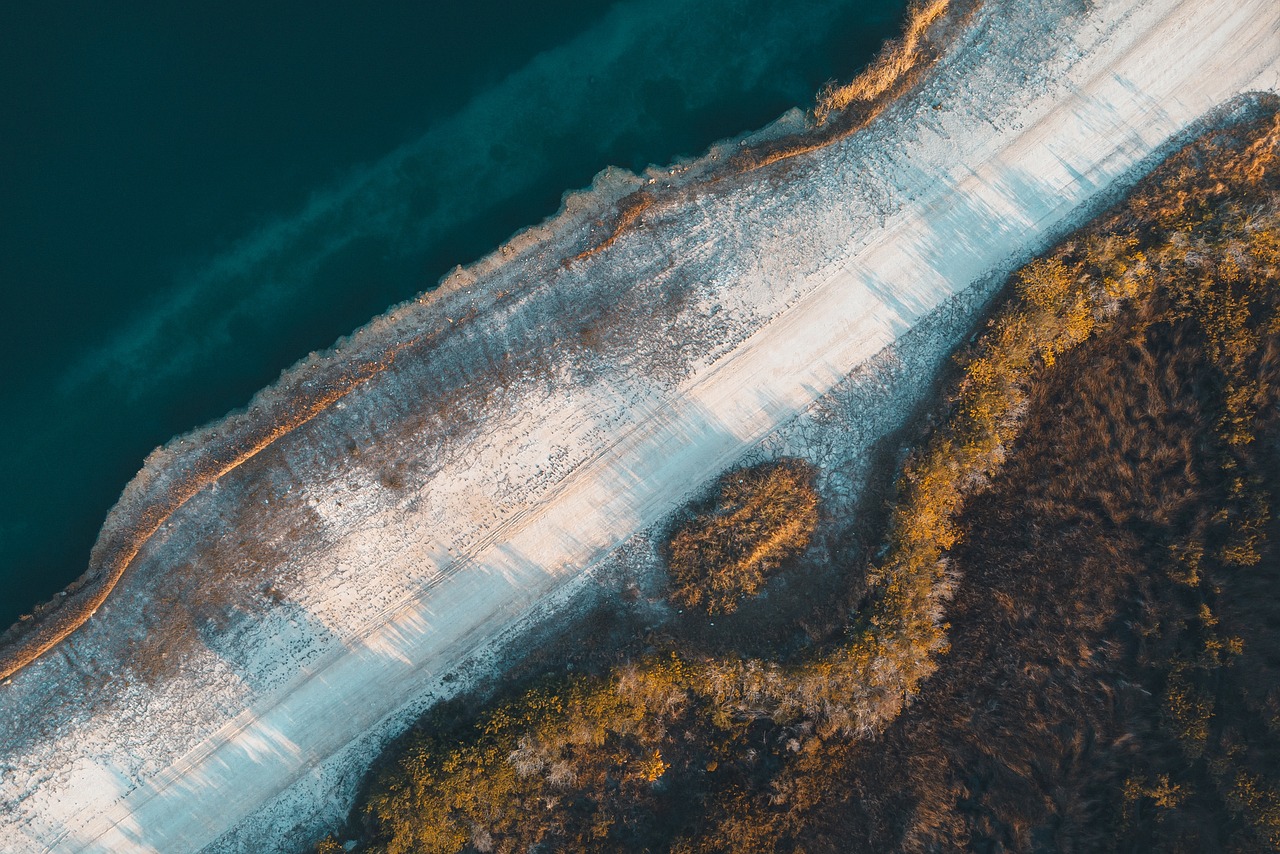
194	197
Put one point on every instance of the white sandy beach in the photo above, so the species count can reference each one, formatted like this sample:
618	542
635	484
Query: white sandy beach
789	279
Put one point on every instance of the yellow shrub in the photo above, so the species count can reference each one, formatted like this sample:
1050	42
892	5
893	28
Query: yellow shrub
762	517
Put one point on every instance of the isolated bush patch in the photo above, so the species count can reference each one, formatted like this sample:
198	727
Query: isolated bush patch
762	516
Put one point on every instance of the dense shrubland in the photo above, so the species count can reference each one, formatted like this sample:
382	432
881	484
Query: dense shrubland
1094	504
608	760
1114	680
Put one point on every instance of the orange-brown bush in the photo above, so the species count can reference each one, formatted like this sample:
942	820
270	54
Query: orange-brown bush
762	517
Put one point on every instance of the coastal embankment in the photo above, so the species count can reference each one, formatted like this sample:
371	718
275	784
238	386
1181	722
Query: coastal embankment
277	594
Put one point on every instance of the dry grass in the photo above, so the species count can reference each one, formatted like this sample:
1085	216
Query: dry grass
898	66
895	63
841	110
629	209
159	493
114	556
762	517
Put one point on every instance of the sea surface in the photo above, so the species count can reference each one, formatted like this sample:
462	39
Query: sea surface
193	196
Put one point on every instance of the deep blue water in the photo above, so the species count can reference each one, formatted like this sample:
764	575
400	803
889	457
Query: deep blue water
195	195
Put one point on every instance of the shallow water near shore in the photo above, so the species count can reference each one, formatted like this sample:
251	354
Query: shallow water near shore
194	203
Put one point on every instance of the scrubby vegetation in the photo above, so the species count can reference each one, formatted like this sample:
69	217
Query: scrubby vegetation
1113	682
1094	504
896	62
841	109
762	517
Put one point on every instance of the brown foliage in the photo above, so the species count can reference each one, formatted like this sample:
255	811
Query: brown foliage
1113	679
1097	501
762	517
630	208
895	63
841	109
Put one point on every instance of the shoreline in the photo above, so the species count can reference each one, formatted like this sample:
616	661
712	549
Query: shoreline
178	470
496	466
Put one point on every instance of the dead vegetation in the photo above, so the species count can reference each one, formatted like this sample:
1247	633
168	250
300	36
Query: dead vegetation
762	517
114	555
895	64
842	109
1098	503
629	210
839	109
